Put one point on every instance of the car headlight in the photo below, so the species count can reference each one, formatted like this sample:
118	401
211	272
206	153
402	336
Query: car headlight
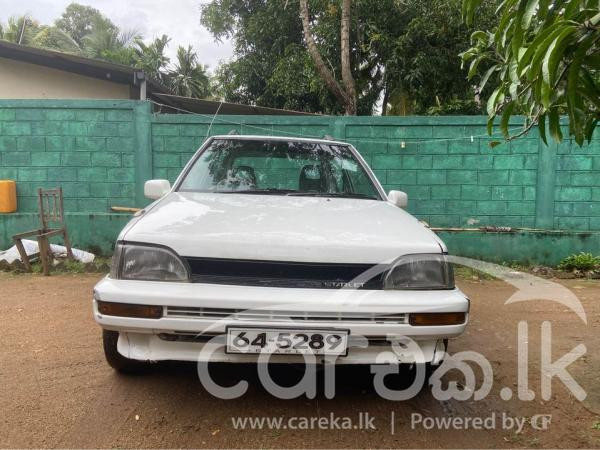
420	271
147	262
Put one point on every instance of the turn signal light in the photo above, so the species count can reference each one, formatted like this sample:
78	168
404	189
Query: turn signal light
130	310
433	319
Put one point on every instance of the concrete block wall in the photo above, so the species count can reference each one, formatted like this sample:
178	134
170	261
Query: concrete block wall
577	187
87	147
451	174
102	151
453	180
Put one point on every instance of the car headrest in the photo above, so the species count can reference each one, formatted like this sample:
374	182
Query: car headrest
244	175
311	179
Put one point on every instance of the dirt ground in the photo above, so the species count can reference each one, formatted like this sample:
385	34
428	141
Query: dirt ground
57	390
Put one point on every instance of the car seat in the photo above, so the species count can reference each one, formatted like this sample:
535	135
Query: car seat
311	179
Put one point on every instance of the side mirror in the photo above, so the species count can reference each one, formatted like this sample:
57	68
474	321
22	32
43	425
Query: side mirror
155	189
398	198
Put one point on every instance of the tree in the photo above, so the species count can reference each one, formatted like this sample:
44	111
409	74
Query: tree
545	60
151	58
79	21
96	35
347	94
294	83
27	31
403	52
108	42
424	74
54	38
270	52
84	30
20	30
270	58
188	77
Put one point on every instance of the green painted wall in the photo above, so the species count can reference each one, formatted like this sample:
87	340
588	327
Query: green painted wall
87	147
101	152
526	247
452	177
93	231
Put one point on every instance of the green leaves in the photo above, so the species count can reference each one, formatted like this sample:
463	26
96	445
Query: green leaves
479	36
530	9
554	54
474	64
486	77
508	110
542	127
493	101
188	77
544	63
468	10
403	54
554	126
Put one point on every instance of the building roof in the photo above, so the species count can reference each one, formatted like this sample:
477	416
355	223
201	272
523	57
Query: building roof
95	68
119	73
175	103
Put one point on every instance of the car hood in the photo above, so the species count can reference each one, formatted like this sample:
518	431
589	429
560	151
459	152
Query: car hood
282	228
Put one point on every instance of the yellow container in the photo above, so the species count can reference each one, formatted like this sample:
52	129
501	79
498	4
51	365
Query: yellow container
8	196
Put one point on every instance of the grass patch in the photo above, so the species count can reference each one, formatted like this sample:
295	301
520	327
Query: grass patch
468	273
517	266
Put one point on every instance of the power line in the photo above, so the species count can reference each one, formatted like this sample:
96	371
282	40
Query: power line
214	118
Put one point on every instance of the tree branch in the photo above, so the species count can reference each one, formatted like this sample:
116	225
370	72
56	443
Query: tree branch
525	130
535	119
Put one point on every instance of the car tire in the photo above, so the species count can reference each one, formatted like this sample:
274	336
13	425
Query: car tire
115	359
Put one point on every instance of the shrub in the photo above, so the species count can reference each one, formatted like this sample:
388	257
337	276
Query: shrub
582	261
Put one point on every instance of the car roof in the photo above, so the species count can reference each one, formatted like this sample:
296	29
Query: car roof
254	137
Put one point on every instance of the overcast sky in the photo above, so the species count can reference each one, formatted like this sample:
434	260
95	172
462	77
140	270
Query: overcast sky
179	19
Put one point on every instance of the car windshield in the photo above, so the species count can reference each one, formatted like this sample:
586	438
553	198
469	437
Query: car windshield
279	168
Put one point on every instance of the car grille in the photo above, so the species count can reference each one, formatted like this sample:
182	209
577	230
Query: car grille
273	315
189	336
282	274
192	336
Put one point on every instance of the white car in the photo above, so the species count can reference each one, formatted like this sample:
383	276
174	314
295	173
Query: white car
278	249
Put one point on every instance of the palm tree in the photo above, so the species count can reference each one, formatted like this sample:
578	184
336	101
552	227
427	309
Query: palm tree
20	30
54	38
107	42
151	58
188	78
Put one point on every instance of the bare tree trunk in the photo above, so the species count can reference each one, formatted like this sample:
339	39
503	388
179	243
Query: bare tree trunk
345	48
348	100
386	98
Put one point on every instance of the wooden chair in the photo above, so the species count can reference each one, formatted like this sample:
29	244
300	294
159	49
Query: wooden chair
50	204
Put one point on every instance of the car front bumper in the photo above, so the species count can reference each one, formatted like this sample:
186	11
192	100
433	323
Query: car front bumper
200	337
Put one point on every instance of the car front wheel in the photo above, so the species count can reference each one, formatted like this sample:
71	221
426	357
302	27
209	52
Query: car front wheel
115	359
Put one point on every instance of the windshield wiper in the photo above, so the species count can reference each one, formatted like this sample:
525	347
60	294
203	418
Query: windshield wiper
332	194
295	193
268	191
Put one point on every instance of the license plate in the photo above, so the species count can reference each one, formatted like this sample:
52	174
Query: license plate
286	341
